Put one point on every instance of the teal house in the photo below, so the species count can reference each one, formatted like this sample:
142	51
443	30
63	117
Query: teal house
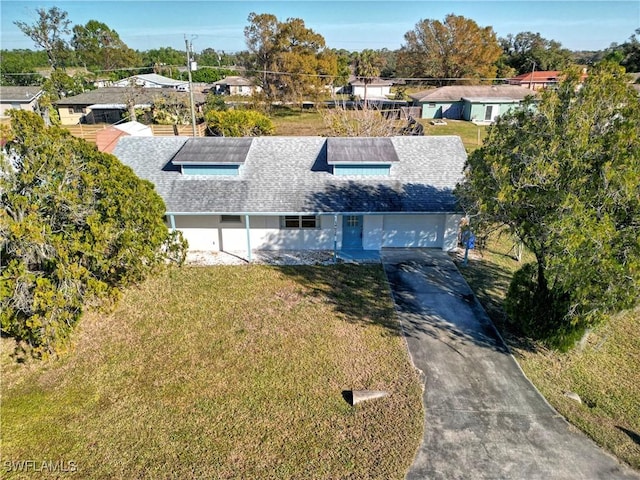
478	103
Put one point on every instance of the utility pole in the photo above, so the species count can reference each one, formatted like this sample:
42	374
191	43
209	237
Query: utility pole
193	109
533	70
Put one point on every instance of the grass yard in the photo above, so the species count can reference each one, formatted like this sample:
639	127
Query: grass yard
298	122
605	372
224	372
472	135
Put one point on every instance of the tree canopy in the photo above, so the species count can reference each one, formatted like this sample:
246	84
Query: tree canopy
629	52
455	48
564	176
289	59
366	67
99	47
75	226
48	33
527	51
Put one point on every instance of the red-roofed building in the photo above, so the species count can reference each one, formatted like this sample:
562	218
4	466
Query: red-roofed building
540	79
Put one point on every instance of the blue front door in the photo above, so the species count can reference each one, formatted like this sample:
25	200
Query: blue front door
352	232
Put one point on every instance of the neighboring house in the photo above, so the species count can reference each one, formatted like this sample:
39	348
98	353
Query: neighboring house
107	138
377	88
541	79
109	105
299	193
19	98
235	86
481	103
153	80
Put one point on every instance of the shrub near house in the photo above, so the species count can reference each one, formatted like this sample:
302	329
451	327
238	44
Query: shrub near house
75	225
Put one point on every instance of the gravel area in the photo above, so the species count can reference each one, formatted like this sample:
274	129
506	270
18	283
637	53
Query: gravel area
279	257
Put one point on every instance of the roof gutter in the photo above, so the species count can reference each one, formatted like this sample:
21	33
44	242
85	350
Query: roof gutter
327	214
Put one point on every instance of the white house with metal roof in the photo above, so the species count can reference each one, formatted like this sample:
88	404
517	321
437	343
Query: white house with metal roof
297	193
153	80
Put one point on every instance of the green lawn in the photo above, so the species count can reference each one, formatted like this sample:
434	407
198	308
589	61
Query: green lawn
472	135
298	122
605	372
224	372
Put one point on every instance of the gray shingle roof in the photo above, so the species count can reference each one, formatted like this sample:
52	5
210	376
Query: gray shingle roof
455	93
360	150
292	175
19	94
213	150
119	95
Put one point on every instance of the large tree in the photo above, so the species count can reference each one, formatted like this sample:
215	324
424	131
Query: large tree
527	51
290	61
454	49
48	33
75	225
100	48
628	53
564	176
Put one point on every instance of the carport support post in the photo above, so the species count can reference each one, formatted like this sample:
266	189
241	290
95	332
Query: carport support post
248	228
335	238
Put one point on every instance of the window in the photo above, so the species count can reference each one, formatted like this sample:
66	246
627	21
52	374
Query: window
230	219
300	221
353	221
76	110
432	105
232	170
362	169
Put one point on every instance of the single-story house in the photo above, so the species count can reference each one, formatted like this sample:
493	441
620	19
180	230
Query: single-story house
109	104
536	80
107	138
153	80
299	193
541	79
19	98
376	88
481	103
234	85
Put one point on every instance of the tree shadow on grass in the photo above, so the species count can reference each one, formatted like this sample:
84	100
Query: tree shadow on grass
358	292
486	280
631	434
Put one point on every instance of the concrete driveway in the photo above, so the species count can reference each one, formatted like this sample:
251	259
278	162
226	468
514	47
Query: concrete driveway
483	418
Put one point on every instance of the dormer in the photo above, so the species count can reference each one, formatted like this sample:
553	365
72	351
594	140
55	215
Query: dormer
212	156
361	156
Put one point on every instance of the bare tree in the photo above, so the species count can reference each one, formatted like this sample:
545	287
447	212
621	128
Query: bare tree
47	33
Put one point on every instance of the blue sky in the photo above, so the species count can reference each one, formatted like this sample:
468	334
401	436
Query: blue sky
353	25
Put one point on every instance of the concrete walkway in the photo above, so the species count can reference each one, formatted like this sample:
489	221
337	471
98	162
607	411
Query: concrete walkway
483	418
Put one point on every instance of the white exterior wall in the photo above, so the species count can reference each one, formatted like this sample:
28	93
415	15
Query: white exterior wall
451	229
207	233
16	106
380	91
201	231
372	232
